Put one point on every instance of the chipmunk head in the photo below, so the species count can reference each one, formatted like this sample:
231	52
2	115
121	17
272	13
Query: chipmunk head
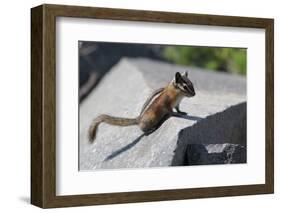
183	83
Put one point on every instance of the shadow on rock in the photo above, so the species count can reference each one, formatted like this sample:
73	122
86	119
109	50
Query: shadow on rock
188	117
124	149
202	154
221	129
133	143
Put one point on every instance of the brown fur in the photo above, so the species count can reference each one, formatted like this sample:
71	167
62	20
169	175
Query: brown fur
159	108
152	116
109	120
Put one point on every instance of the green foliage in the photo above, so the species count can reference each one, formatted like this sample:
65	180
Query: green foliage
215	58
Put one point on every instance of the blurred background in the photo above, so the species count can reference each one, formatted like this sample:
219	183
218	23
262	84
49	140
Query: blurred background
97	58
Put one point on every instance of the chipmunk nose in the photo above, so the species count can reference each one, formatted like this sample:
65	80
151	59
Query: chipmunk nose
192	94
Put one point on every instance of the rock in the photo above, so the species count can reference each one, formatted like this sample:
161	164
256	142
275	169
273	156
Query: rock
216	115
205	154
217	130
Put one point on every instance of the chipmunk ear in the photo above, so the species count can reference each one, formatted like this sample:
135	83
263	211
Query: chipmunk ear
186	74
178	77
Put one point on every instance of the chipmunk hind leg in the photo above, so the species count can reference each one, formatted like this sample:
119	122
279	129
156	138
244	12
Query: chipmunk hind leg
149	127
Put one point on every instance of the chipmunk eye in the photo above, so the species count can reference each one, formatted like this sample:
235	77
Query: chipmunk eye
185	87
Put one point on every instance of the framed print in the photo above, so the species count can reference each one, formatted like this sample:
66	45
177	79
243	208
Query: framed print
136	106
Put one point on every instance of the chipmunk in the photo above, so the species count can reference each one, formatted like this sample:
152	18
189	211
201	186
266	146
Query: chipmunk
155	110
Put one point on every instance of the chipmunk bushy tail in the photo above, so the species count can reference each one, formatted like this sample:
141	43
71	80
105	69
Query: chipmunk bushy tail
109	120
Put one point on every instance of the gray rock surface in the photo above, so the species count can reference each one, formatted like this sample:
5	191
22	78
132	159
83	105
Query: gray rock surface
216	115
205	154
